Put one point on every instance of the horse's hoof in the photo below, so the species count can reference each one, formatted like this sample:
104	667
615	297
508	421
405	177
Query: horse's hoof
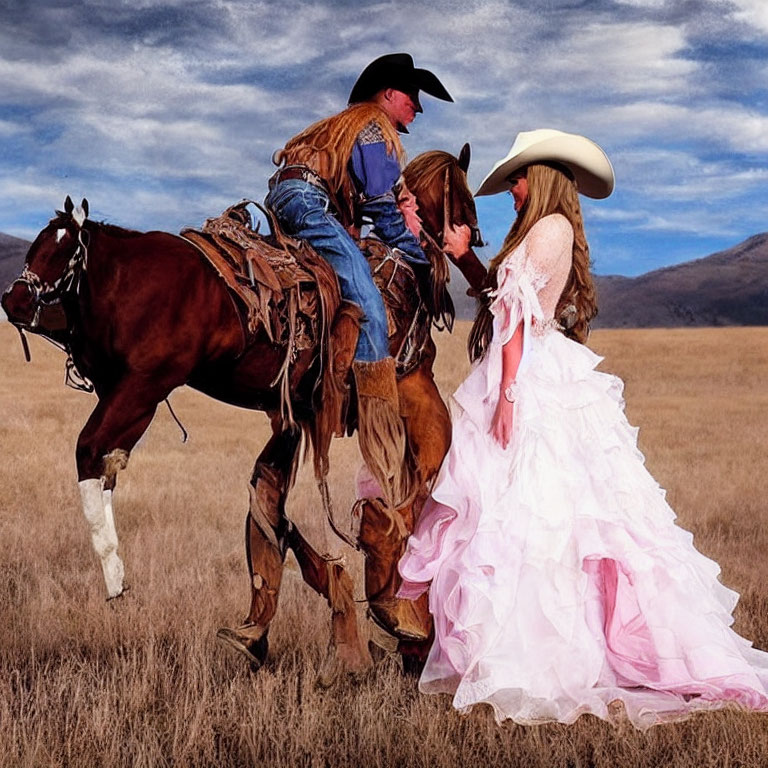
343	659
243	641
382	656
121	593
330	669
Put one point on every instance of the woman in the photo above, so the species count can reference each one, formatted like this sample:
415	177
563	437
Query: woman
559	581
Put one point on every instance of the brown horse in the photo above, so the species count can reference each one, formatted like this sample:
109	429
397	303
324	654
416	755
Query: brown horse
143	313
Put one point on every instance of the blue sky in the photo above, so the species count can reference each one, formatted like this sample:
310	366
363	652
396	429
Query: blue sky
164	112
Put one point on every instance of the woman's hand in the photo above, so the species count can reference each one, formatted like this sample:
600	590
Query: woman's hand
501	426
456	240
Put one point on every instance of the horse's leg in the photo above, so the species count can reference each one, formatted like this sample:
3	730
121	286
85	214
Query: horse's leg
428	425
266	527
120	418
328	577
428	428
268	535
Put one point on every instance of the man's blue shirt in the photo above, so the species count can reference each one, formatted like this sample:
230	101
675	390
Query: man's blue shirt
374	173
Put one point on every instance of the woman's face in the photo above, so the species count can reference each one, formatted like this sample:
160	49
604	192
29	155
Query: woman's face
518	188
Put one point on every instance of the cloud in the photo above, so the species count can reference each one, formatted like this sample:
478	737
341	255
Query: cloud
645	4
732	127
690	222
677	175
752	12
9	128
621	215
162	112
629	58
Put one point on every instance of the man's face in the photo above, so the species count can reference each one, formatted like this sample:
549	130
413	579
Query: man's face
400	106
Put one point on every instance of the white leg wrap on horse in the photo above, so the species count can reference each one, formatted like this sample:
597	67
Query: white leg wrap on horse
97	508
109	519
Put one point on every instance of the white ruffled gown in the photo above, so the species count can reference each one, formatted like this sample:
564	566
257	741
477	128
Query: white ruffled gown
559	580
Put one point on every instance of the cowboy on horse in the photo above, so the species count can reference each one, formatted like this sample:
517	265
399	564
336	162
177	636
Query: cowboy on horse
337	174
256	326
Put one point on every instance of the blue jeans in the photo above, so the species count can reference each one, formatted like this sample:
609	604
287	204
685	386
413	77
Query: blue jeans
302	211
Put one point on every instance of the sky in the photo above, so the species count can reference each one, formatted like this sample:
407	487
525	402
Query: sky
164	112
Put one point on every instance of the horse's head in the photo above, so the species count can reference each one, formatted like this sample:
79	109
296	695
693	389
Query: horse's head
33	301
439	181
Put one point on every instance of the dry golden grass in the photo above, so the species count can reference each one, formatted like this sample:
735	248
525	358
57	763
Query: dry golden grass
141	681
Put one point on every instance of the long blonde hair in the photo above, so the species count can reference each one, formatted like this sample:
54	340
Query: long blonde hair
326	146
551	189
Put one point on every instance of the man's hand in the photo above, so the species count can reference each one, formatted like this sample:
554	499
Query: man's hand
456	240
406	202
501	426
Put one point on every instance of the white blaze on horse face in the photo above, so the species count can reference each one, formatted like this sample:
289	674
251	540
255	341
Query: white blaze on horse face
79	216
60	234
97	508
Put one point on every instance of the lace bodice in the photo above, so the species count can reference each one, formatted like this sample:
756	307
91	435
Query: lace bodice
530	281
532	277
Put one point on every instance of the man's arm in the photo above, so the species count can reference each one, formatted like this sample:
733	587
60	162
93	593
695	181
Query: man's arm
375	173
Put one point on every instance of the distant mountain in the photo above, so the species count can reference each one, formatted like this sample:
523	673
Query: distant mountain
726	288
12	253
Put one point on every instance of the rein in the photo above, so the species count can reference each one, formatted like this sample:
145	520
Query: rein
24	343
46	295
446	207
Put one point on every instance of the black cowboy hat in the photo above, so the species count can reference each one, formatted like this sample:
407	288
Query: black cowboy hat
396	70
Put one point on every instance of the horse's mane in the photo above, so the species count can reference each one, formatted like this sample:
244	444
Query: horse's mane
425	177
109	229
114	231
420	173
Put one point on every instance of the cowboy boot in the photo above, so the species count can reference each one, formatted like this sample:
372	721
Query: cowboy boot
381	434
384	545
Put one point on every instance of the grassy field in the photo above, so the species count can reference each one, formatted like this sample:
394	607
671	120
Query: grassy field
141	681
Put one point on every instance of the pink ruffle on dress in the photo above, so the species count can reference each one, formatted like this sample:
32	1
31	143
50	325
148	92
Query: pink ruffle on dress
559	580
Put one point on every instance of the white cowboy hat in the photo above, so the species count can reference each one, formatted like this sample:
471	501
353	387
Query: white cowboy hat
589	164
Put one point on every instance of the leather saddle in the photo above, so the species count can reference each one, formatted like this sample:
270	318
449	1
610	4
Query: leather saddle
280	284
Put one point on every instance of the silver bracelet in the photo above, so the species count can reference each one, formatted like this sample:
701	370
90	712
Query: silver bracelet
511	392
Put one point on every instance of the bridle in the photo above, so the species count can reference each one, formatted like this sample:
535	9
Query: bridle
476	239
48	295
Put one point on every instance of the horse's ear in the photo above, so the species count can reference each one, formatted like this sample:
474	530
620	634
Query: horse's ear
464	156
69	206
84	206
